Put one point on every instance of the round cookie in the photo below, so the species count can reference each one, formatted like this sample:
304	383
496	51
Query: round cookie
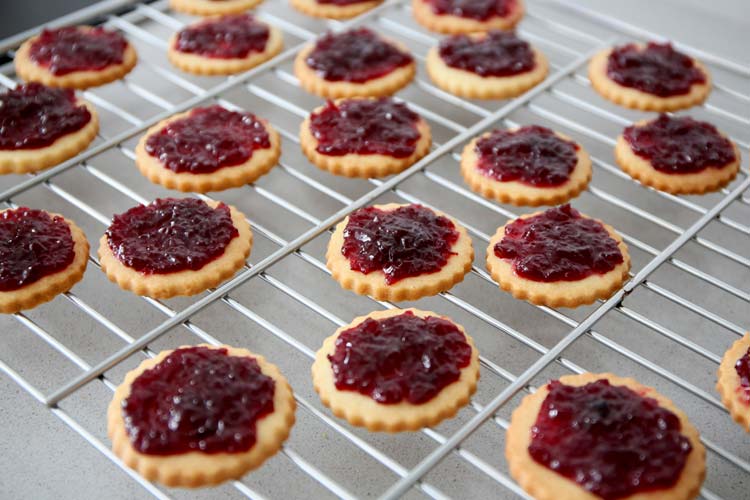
453	24
332	10
213	7
734	393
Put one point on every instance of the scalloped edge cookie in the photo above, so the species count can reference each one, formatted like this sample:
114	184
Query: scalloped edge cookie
453	25
210	8
333	11
195	469
728	383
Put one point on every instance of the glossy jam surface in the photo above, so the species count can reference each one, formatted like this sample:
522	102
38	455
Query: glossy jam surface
227	37
399	358
558	245
33	245
609	439
365	126
198	399
34	116
658	69
409	241
680	145
208	139
171	235
356	56
742	367
67	50
498	54
532	155
479	10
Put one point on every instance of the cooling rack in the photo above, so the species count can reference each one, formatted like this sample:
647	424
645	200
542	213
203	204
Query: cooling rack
686	301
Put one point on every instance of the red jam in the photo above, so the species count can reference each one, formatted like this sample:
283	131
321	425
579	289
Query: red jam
742	367
497	54
198	399
227	37
67	50
365	126
34	116
558	245
480	10
171	235
680	145
208	139
532	155
658	69
33	245
357	55
609	439
400	358
409	241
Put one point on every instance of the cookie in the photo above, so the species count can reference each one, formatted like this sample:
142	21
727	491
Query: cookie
530	166
396	370
75	57
734	381
467	16
395	137
43	254
212	7
334	10
593	436
200	415
558	258
208	149
174	247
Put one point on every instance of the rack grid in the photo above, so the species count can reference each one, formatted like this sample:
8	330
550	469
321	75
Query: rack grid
684	304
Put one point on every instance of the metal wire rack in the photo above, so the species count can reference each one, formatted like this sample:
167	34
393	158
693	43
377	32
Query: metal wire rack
685	303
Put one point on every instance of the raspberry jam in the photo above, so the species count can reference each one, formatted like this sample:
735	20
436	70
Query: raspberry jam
357	55
479	10
497	54
399	358
33	244
208	139
742	367
67	50
680	145
198	399
657	69
532	155
408	241
558	245
365	126
609	439
171	235
227	37
34	116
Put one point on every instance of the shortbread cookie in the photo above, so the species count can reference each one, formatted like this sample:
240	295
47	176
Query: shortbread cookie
652	77
397	370
494	65
212	7
75	57
364	137
467	16
175	247
42	126
600	436
355	63
734	381
334	9
208	149
558	258
678	155
200	415
202	47
41	254
399	252
531	165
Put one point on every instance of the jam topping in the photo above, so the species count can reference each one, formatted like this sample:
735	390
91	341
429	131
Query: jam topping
609	439
171	235
680	145
33	244
532	155
227	37
499	53
198	399
357	55
408	241
558	245
399	358
66	50
657	69
365	126
480	10
34	116
742	367
208	139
